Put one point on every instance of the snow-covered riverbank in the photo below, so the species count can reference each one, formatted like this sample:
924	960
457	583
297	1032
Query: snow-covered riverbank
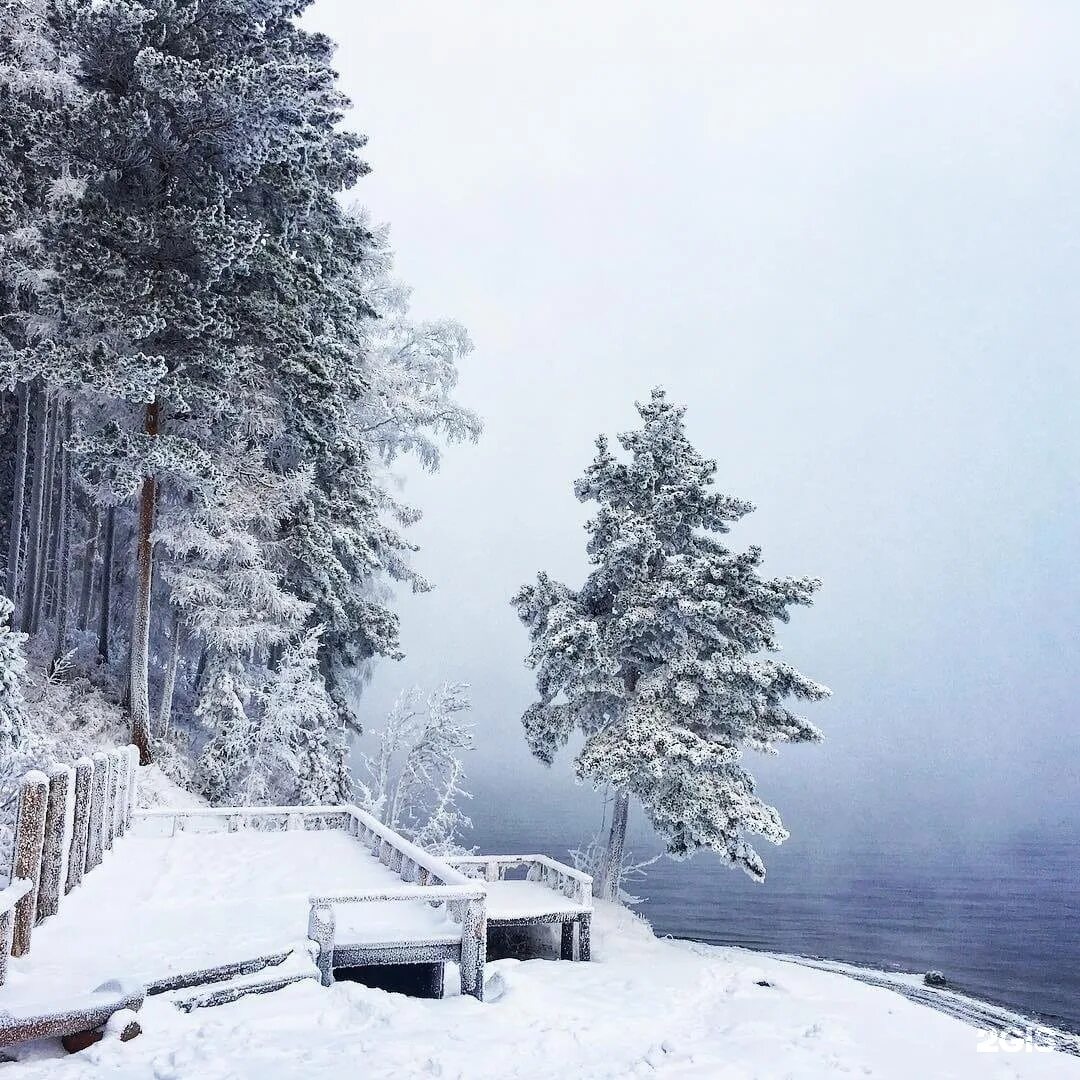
645	1007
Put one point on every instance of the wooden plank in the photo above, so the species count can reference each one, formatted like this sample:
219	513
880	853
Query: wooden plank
80	824
98	792
53	853
29	842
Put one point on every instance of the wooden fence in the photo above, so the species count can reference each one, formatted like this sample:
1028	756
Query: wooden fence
68	820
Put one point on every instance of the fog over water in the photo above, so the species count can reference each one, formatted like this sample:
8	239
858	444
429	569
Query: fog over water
845	235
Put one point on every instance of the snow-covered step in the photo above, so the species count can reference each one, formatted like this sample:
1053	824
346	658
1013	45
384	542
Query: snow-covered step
297	966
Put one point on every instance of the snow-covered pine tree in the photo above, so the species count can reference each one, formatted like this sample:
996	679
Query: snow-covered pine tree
299	749
12	674
662	658
222	709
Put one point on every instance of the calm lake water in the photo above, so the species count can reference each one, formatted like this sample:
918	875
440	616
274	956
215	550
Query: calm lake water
1001	919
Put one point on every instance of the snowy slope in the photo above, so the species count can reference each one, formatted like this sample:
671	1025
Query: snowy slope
644	1007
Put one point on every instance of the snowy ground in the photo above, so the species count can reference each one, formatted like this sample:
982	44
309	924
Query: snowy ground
644	1007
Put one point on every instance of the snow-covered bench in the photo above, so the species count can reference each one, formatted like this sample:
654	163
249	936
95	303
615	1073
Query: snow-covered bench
550	892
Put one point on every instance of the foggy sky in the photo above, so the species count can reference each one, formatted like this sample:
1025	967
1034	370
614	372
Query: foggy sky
845	235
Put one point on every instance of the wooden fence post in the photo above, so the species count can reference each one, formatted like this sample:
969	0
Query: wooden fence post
80	821
108	818
29	841
131	792
321	923
473	948
98	795
52	858
120	809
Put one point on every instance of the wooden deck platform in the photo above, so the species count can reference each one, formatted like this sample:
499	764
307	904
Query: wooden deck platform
247	899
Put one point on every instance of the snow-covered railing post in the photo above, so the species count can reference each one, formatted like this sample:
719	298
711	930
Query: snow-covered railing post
98	793
80	823
29	842
473	947
52	858
9	897
321	931
108	823
131	794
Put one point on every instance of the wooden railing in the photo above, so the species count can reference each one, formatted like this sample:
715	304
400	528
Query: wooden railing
424	876
571	883
97	796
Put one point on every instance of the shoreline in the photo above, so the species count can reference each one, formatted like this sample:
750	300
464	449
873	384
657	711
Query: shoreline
998	1020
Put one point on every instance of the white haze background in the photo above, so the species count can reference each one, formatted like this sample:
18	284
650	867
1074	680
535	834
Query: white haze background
845	235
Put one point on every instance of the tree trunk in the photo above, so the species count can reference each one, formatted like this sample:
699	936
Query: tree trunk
106	584
140	624
49	517
22	449
169	686
37	512
86	587
63	569
613	858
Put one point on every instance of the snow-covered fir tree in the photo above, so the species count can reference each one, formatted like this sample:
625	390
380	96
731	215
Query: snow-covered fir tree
206	371
663	658
300	735
12	674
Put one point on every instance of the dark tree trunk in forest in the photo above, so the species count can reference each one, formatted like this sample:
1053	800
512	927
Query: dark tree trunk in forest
63	563
50	513
106	585
37	512
22	450
89	563
139	704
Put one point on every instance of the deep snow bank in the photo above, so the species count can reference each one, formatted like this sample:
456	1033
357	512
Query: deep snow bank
644	1007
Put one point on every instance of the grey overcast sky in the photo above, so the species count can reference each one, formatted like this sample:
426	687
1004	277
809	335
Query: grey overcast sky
845	235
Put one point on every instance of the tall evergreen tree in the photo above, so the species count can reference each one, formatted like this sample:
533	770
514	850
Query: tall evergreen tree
662	658
12	673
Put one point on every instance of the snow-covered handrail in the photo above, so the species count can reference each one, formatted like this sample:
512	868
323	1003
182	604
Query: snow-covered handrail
400	855
14	892
573	884
9	898
427	893
469	898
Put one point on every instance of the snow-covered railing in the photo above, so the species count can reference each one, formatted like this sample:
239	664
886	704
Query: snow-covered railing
67	819
571	883
464	903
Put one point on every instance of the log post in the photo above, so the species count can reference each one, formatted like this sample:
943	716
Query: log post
122	779
566	952
80	823
584	942
112	790
132	794
98	794
52	858
321	930
29	842
473	948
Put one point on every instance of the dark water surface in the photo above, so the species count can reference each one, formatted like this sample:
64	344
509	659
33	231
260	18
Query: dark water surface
1001	919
